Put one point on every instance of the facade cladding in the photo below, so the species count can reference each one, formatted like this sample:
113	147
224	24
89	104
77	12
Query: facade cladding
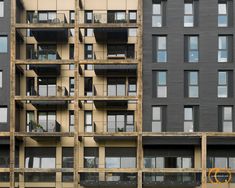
109	93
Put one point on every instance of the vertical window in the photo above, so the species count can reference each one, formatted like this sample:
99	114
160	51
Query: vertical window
193	86
88	121
188	14
3	112
132	87
71	55
157	13
161	49
223	84
88	51
71	86
227	119
156	119
132	16
223	49
71	121
72	17
0	79
67	157
3	44
30	119
188	119
91	157
193	52
1	8
88	17
161	82
88	83
88	32
222	14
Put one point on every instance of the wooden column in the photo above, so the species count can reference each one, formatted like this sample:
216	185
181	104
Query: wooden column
204	154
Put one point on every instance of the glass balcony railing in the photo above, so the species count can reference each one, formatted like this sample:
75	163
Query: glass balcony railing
48	91
114	126
50	126
43	55
48	17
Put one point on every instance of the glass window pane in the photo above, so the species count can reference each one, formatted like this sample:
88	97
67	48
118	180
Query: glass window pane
161	91
161	78
156	113
157	126
3	117
188	8
161	43
1	8
188	21
48	163
0	79
156	8
161	56
88	118
221	162
159	162
193	43
188	113
222	78
193	56
223	21
222	8
156	21
149	162
3	44
232	162
186	163
188	126
227	113
128	162
222	56
193	78
112	162
222	91
193	91
228	126
222	42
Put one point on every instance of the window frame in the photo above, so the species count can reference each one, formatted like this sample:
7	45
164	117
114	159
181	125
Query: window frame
159	85
222	85
186	120
5	41
186	15
192	85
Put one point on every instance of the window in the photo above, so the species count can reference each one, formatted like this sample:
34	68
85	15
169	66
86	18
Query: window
88	51
47	121
71	121
188	14
88	16
188	119
0	79
88	83
1	8
88	121
132	87
132	32
91	157
120	162
156	119
47	87
71	55
222	14
71	86
89	32
223	84
116	86
192	53
67	157
223	49
192	84
72	17
3	112
30	118
132	16
120	121
221	162
227	119
161	84
161	49
3	44
157	13
40	157
47	17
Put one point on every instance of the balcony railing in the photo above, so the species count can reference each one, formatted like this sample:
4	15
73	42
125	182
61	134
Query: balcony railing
110	179
172	179
114	126
118	90
114	17
44	126
43	55
53	91
54	18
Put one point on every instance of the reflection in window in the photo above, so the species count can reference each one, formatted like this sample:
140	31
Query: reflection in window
3	44
188	119
223	49
161	82
157	14
161	49
188	15
193	49
227	118
222	15
223	84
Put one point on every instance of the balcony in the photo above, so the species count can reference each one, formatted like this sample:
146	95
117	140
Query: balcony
114	131
171	179
40	128
110	180
44	69
50	92
47	19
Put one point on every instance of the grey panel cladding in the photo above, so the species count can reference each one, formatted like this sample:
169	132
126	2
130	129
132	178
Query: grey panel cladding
208	66
5	62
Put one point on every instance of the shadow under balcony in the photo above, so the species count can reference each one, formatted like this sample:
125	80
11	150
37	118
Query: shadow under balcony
44	69
39	130
171	179
110	180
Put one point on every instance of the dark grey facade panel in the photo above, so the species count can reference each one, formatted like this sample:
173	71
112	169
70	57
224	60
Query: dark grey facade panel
207	30
5	63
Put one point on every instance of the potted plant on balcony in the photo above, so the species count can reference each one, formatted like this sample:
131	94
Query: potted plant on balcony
36	127
120	129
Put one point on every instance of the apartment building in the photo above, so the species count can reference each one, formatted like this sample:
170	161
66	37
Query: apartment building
106	93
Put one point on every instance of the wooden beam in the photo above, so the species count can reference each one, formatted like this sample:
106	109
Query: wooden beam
170	134
4	170
108	134
40	98
4	134
109	62
23	170
171	170
44	134
108	25
44	26
44	62
104	170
